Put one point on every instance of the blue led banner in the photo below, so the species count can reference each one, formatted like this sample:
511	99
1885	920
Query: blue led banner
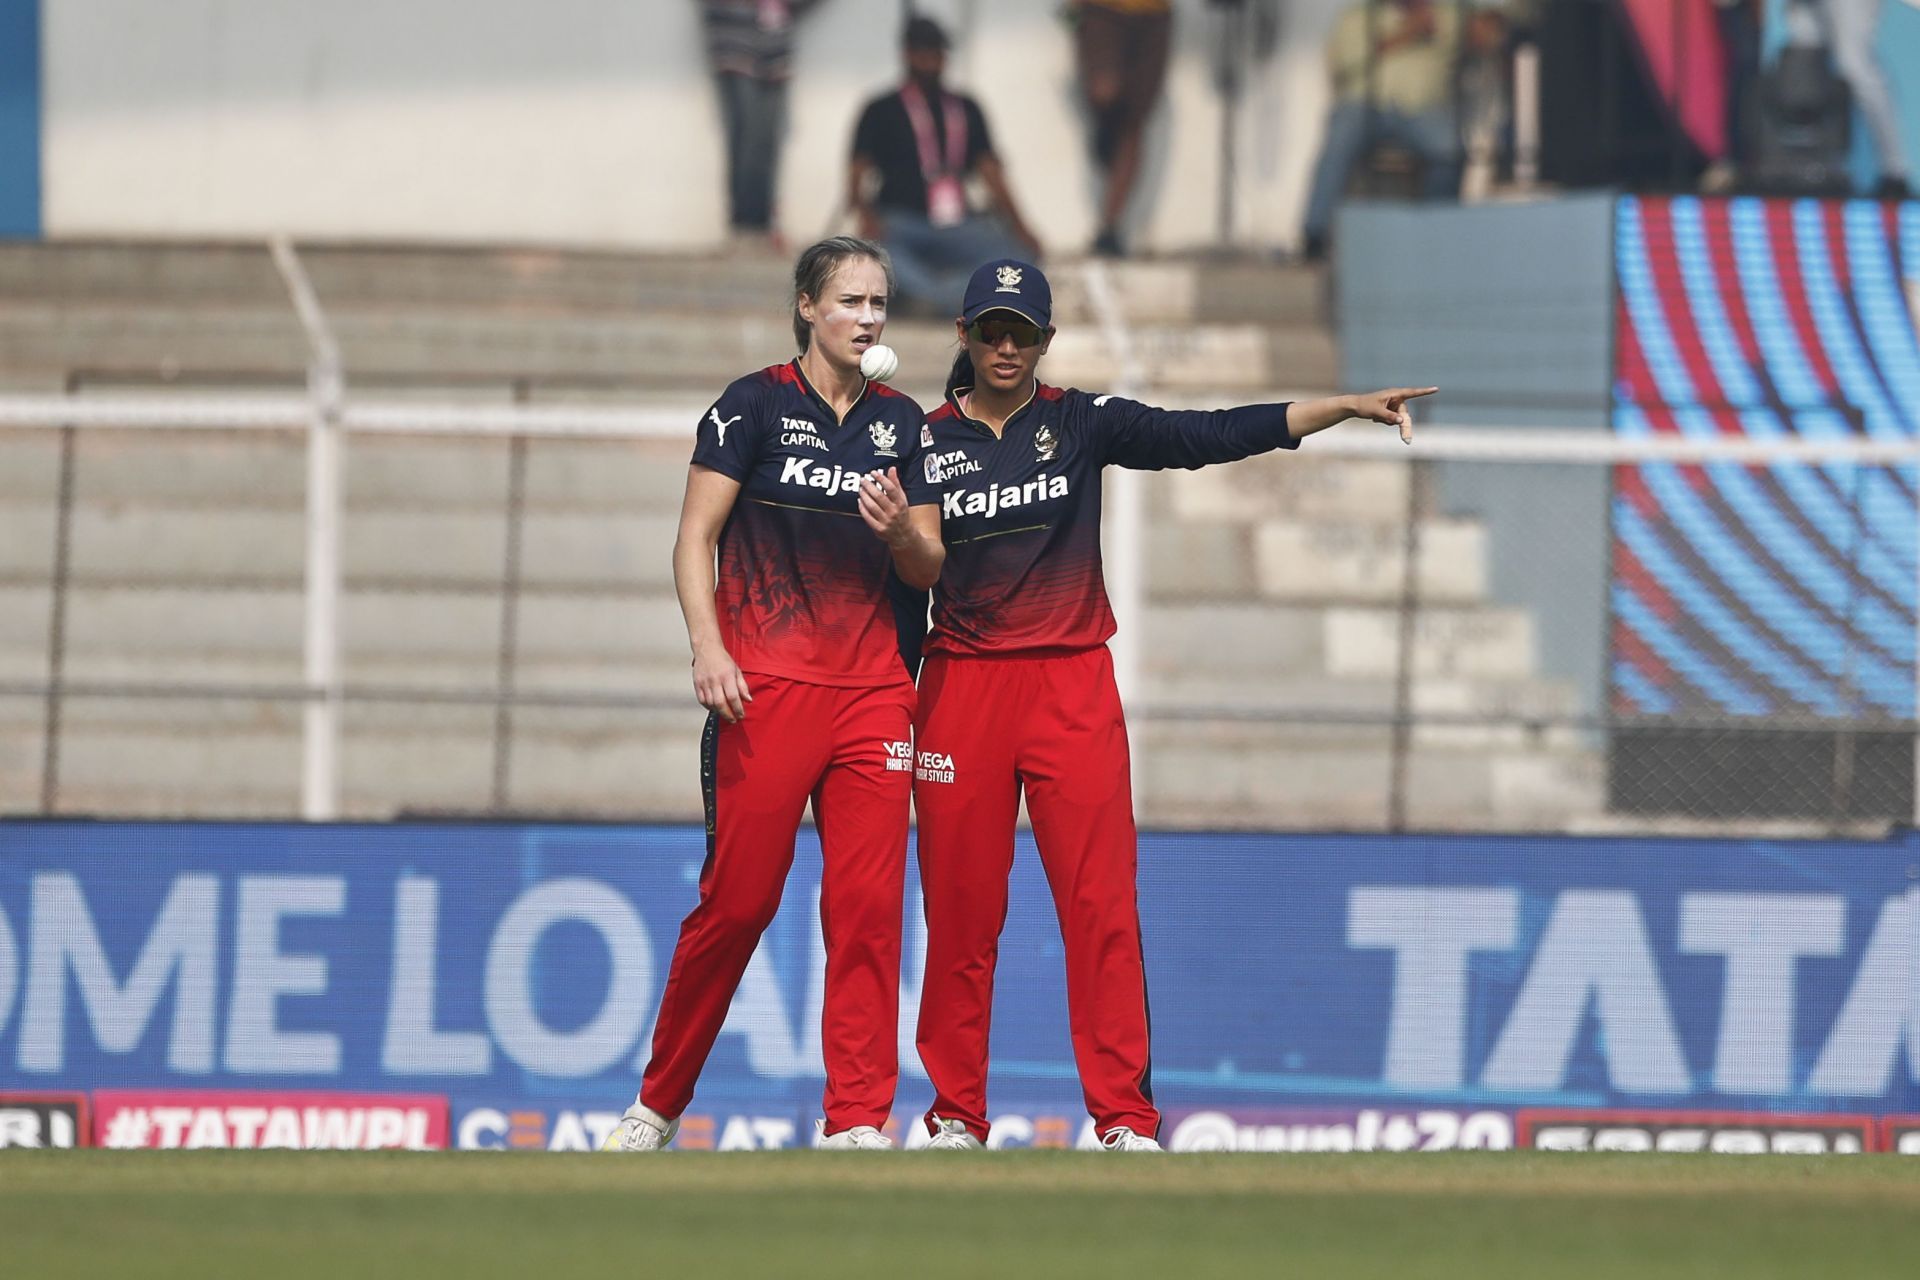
1304	987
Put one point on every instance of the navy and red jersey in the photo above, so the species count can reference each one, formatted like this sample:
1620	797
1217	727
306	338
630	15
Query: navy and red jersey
1020	514
803	582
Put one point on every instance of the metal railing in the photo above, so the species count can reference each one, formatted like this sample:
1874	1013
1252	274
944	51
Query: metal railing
1411	730
521	431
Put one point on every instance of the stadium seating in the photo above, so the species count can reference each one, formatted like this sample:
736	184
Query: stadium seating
1274	585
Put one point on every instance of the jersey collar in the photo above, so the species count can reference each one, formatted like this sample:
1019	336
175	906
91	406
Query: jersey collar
806	388
953	398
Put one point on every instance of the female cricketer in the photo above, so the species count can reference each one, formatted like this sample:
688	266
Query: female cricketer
1017	691
795	485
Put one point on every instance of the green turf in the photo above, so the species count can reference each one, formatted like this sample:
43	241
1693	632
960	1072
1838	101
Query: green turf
921	1216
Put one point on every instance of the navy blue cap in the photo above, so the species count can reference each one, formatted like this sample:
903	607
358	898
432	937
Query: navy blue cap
1007	284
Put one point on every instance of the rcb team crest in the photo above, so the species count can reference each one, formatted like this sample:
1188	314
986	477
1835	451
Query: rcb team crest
1046	445
883	439
1009	280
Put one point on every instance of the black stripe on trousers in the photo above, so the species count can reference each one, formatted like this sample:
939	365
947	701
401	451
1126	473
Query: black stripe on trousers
709	771
1146	1002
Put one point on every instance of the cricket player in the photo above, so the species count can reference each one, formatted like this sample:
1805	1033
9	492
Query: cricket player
1017	691
796	656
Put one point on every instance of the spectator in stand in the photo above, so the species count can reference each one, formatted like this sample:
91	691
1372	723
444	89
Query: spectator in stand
1122	48
913	152
750	46
1851	27
1740	24
1392	66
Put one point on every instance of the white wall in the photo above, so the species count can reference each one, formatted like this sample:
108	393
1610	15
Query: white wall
587	121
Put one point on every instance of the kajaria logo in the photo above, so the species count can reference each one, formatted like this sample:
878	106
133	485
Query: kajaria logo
899	756
994	499
811	475
934	766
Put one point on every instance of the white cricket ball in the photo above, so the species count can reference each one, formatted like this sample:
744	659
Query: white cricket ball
879	363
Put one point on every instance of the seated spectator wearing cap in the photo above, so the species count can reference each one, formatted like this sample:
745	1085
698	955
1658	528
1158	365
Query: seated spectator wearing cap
1392	67
913	152
1121	47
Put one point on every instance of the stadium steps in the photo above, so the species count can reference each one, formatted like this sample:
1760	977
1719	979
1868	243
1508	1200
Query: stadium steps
638	764
1273	584
1244	775
163	274
182	312
570	354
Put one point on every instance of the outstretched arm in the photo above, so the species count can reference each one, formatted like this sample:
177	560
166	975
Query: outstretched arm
1150	439
1304	417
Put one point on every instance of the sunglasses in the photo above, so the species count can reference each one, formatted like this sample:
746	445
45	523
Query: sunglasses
1023	332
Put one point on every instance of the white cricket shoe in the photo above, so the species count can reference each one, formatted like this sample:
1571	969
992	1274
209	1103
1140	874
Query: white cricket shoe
1125	1139
952	1135
642	1129
862	1137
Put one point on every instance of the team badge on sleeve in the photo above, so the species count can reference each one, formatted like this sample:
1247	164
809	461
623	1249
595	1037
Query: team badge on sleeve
926	435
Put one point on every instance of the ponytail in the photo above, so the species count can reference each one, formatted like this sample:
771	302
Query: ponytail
961	375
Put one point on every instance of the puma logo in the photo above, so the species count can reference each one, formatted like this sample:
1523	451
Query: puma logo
714	413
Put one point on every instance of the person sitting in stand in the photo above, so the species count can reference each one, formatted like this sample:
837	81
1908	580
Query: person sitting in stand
1392	66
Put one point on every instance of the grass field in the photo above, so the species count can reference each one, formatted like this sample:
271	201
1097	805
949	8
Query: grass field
922	1216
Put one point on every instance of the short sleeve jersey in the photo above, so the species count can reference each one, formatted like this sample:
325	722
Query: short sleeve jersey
1020	512
885	136
803	583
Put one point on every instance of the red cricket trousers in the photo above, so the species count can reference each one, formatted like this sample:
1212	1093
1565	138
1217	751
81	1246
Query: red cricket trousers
849	751
1053	725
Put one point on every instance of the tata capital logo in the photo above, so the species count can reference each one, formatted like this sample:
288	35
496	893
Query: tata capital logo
800	431
940	467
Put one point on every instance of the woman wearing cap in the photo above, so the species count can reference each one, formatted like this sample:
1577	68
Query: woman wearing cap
1017	691
798	661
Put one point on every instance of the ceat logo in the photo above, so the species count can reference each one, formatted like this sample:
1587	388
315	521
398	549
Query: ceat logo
490	1129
